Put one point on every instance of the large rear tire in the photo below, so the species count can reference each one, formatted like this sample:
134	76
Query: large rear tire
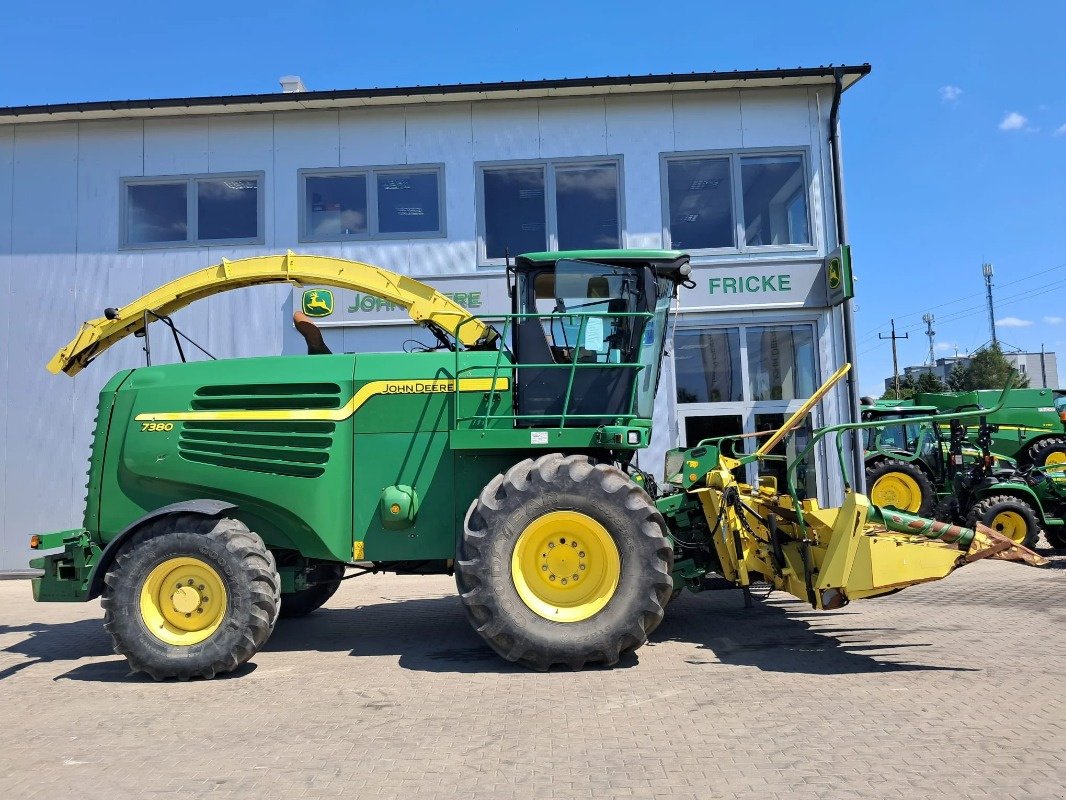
191	596
900	485
564	561
1047	452
1010	516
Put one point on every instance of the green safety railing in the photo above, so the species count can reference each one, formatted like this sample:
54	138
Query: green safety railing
572	366
843	428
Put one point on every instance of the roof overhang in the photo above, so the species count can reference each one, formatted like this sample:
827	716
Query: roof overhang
450	93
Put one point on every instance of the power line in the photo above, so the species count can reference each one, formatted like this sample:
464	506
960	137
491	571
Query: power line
966	312
873	331
895	361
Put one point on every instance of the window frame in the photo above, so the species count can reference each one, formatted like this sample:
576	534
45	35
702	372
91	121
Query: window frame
551	220
735	157
742	326
748	408
371	174
192	199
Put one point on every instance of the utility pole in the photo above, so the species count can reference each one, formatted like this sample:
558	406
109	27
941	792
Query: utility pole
928	319
895	361
1043	368
986	270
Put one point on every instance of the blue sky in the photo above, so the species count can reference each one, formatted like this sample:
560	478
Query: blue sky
954	148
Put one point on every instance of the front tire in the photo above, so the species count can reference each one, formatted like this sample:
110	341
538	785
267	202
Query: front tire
191	596
901	485
564	561
1010	516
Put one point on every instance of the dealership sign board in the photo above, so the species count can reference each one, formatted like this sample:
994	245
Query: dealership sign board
799	284
789	285
482	295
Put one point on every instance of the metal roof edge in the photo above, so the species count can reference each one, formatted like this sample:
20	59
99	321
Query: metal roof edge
562	87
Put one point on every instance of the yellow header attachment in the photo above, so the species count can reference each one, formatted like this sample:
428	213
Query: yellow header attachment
423	303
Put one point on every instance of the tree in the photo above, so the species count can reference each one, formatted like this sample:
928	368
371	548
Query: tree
986	369
910	386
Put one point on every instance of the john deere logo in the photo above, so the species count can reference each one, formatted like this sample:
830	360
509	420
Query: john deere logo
318	302
834	273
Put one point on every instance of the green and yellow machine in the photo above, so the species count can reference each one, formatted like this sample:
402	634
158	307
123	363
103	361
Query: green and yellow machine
223	494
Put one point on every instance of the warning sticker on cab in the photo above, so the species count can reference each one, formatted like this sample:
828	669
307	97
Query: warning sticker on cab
538	437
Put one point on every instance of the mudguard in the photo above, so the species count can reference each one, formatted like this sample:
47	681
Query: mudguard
207	508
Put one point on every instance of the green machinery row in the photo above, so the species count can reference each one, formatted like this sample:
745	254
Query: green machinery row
222	494
1005	468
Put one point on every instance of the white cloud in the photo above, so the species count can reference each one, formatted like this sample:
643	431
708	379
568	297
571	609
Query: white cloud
1013	122
1013	322
949	94
1054	320
945	347
1061	130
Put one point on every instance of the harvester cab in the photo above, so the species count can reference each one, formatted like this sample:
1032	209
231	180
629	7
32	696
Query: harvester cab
604	317
223	493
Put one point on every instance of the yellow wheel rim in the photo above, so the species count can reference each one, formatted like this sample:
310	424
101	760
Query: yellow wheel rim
1011	524
897	489
565	566
183	601
1058	457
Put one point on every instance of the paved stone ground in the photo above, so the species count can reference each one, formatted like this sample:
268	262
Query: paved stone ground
952	689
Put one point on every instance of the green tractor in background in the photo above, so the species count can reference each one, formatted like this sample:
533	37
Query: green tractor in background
1017	502
223	494
919	461
906	464
1029	428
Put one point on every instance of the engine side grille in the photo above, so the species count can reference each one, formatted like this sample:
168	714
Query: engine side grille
298	449
267	396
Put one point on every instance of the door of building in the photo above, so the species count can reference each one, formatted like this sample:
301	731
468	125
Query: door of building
748	379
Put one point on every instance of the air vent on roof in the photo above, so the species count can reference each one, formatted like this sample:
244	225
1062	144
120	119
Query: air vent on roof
291	83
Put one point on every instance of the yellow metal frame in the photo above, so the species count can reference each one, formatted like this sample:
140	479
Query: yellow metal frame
423	303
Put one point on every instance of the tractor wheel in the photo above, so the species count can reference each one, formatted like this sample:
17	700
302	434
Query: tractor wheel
1047	452
191	596
1010	516
303	602
900	485
564	561
1056	536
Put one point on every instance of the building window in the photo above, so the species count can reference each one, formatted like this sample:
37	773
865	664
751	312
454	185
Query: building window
548	205
735	201
700	198
781	363
707	365
371	203
335	207
775	200
193	209
745	380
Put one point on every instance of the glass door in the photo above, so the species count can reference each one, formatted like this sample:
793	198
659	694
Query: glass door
748	379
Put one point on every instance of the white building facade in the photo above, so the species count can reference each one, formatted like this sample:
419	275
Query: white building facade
101	202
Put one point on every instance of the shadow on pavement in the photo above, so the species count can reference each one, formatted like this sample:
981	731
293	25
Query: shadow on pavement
777	638
431	634
62	641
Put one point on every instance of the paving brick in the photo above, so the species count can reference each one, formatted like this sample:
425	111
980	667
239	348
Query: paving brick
949	689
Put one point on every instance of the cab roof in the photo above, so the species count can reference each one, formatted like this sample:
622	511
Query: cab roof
672	263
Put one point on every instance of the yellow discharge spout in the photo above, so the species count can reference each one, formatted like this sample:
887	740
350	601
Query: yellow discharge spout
423	303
